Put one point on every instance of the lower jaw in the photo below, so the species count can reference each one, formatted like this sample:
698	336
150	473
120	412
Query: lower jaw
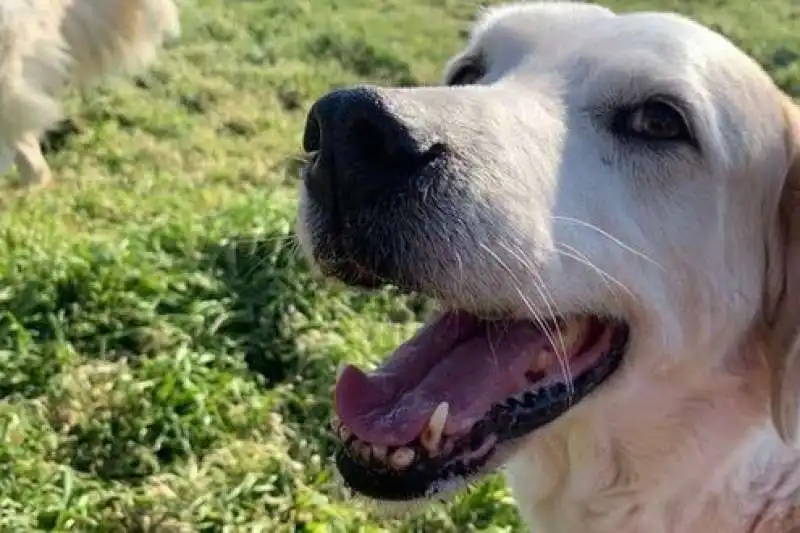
489	443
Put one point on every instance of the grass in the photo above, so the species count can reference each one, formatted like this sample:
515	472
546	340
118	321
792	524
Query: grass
166	358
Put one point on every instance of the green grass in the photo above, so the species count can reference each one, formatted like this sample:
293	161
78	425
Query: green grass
166	359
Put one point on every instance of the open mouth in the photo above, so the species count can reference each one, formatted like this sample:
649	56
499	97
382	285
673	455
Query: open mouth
445	408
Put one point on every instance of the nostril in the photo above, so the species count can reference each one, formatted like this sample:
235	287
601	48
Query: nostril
436	150
312	136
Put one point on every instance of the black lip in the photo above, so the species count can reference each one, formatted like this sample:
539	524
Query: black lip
380	483
508	421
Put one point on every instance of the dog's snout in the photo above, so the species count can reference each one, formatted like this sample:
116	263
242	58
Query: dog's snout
362	149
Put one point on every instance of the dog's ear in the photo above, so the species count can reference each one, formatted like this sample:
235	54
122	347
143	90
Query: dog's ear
783	346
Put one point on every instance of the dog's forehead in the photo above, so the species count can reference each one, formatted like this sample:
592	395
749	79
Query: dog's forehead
556	30
520	27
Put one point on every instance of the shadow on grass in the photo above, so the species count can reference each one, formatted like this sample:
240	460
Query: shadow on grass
194	327
257	299
197	333
239	295
271	298
56	138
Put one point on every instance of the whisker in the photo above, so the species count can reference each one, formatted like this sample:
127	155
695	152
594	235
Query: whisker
559	348
536	316
576	255
609	236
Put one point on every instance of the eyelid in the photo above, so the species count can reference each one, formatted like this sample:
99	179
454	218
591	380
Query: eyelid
677	104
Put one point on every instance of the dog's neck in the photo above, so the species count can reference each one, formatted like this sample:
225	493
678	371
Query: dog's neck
686	453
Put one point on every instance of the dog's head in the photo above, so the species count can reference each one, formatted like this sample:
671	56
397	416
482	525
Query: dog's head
593	199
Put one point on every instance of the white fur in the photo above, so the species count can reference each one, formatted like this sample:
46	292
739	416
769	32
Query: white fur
680	440
692	247
47	44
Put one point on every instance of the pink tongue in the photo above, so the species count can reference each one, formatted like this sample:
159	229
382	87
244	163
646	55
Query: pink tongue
456	359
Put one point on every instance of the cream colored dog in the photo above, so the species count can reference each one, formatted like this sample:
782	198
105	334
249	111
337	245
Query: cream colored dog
607	207
47	44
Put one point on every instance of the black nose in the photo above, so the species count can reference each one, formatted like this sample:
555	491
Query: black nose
363	150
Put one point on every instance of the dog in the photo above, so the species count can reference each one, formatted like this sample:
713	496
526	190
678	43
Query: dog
46	45
607	208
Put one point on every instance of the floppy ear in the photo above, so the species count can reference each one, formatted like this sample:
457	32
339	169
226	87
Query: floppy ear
783	346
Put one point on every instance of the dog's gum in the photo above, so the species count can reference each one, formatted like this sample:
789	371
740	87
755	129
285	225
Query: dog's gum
570	333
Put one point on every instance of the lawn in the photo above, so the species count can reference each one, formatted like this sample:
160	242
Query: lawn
166	358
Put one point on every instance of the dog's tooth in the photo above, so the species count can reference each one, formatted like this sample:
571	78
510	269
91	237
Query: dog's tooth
570	332
364	451
340	369
542	360
547	358
401	458
379	452
431	436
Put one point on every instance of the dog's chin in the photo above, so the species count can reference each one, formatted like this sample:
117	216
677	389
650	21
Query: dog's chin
456	401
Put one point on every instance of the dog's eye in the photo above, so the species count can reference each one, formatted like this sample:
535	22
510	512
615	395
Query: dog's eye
654	120
466	74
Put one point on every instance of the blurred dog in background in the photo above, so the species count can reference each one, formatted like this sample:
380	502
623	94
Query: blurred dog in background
48	45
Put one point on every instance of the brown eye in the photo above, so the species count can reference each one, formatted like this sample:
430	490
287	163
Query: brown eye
654	120
466	74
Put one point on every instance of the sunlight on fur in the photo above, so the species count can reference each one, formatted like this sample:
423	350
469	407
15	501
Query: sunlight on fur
606	207
46	45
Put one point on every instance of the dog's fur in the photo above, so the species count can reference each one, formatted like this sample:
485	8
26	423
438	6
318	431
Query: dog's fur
698	249
46	45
